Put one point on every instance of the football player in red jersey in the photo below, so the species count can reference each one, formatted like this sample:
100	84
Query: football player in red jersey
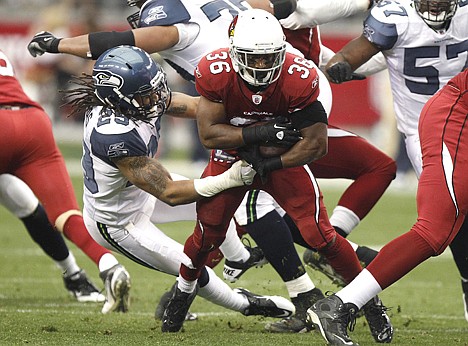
31	154
256	80
441	130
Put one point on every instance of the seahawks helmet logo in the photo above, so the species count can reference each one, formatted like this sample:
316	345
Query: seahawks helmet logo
108	79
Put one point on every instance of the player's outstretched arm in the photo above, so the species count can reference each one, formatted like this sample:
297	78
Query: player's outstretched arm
150	175
183	106
341	66
151	39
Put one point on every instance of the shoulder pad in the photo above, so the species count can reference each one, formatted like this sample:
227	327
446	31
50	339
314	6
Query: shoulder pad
163	12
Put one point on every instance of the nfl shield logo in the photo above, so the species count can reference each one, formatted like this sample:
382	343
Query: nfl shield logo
257	99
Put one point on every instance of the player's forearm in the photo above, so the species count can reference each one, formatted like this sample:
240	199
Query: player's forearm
356	53
221	136
310	13
78	46
183	106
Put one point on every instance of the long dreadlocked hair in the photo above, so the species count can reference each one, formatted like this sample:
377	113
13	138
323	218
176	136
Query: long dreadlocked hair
82	98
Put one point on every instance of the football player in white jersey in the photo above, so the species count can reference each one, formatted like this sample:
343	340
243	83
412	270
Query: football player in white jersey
124	101
181	32
425	44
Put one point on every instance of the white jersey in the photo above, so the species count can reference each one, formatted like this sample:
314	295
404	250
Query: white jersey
109	197
205	28
420	60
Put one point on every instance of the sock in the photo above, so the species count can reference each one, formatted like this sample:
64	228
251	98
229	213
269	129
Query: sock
362	289
45	235
68	266
218	292
232	246
185	285
107	261
345	219
300	285
272	235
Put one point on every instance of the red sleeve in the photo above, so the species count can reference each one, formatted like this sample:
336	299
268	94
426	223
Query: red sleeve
212	74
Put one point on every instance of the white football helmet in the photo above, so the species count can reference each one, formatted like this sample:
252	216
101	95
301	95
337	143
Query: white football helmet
436	13
257	47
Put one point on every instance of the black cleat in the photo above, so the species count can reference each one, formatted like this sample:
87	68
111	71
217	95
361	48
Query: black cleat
268	306
379	323
80	287
158	315
299	322
177	309
332	317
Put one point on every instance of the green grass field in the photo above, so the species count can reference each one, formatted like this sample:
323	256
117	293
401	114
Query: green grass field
35	309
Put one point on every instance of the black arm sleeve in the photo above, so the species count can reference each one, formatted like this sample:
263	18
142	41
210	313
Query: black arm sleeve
283	8
99	42
313	113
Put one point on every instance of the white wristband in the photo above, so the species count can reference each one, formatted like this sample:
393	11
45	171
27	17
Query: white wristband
238	175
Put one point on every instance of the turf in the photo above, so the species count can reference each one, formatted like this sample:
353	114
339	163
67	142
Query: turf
35	309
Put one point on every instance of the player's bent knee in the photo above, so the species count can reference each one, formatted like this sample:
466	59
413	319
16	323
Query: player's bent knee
62	219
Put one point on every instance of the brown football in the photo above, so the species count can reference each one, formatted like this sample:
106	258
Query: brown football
272	151
269	151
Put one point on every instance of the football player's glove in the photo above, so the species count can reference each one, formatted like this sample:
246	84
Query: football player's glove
43	42
278	132
342	72
261	165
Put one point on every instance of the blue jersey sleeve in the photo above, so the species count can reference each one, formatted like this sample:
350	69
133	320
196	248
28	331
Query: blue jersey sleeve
163	12
109	146
383	35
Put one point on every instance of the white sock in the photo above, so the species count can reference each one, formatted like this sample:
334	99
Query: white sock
218	292
232	247
300	285
344	218
68	266
362	289
185	285
107	261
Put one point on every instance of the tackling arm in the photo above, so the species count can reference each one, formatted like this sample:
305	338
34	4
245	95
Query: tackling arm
149	175
183	106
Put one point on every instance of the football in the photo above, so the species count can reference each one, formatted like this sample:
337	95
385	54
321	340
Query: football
268	151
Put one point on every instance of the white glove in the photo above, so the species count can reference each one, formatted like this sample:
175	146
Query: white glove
239	174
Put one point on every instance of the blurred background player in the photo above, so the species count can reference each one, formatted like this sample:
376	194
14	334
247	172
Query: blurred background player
34	157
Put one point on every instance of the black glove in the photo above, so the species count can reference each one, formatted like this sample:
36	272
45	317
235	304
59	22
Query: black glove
43	42
251	154
277	132
342	72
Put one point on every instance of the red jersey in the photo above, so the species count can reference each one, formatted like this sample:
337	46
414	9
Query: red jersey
11	92
307	41
296	88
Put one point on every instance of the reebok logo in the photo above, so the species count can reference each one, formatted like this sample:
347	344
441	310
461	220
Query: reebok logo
280	135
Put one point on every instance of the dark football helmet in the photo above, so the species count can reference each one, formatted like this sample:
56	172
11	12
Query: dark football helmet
436	13
128	80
